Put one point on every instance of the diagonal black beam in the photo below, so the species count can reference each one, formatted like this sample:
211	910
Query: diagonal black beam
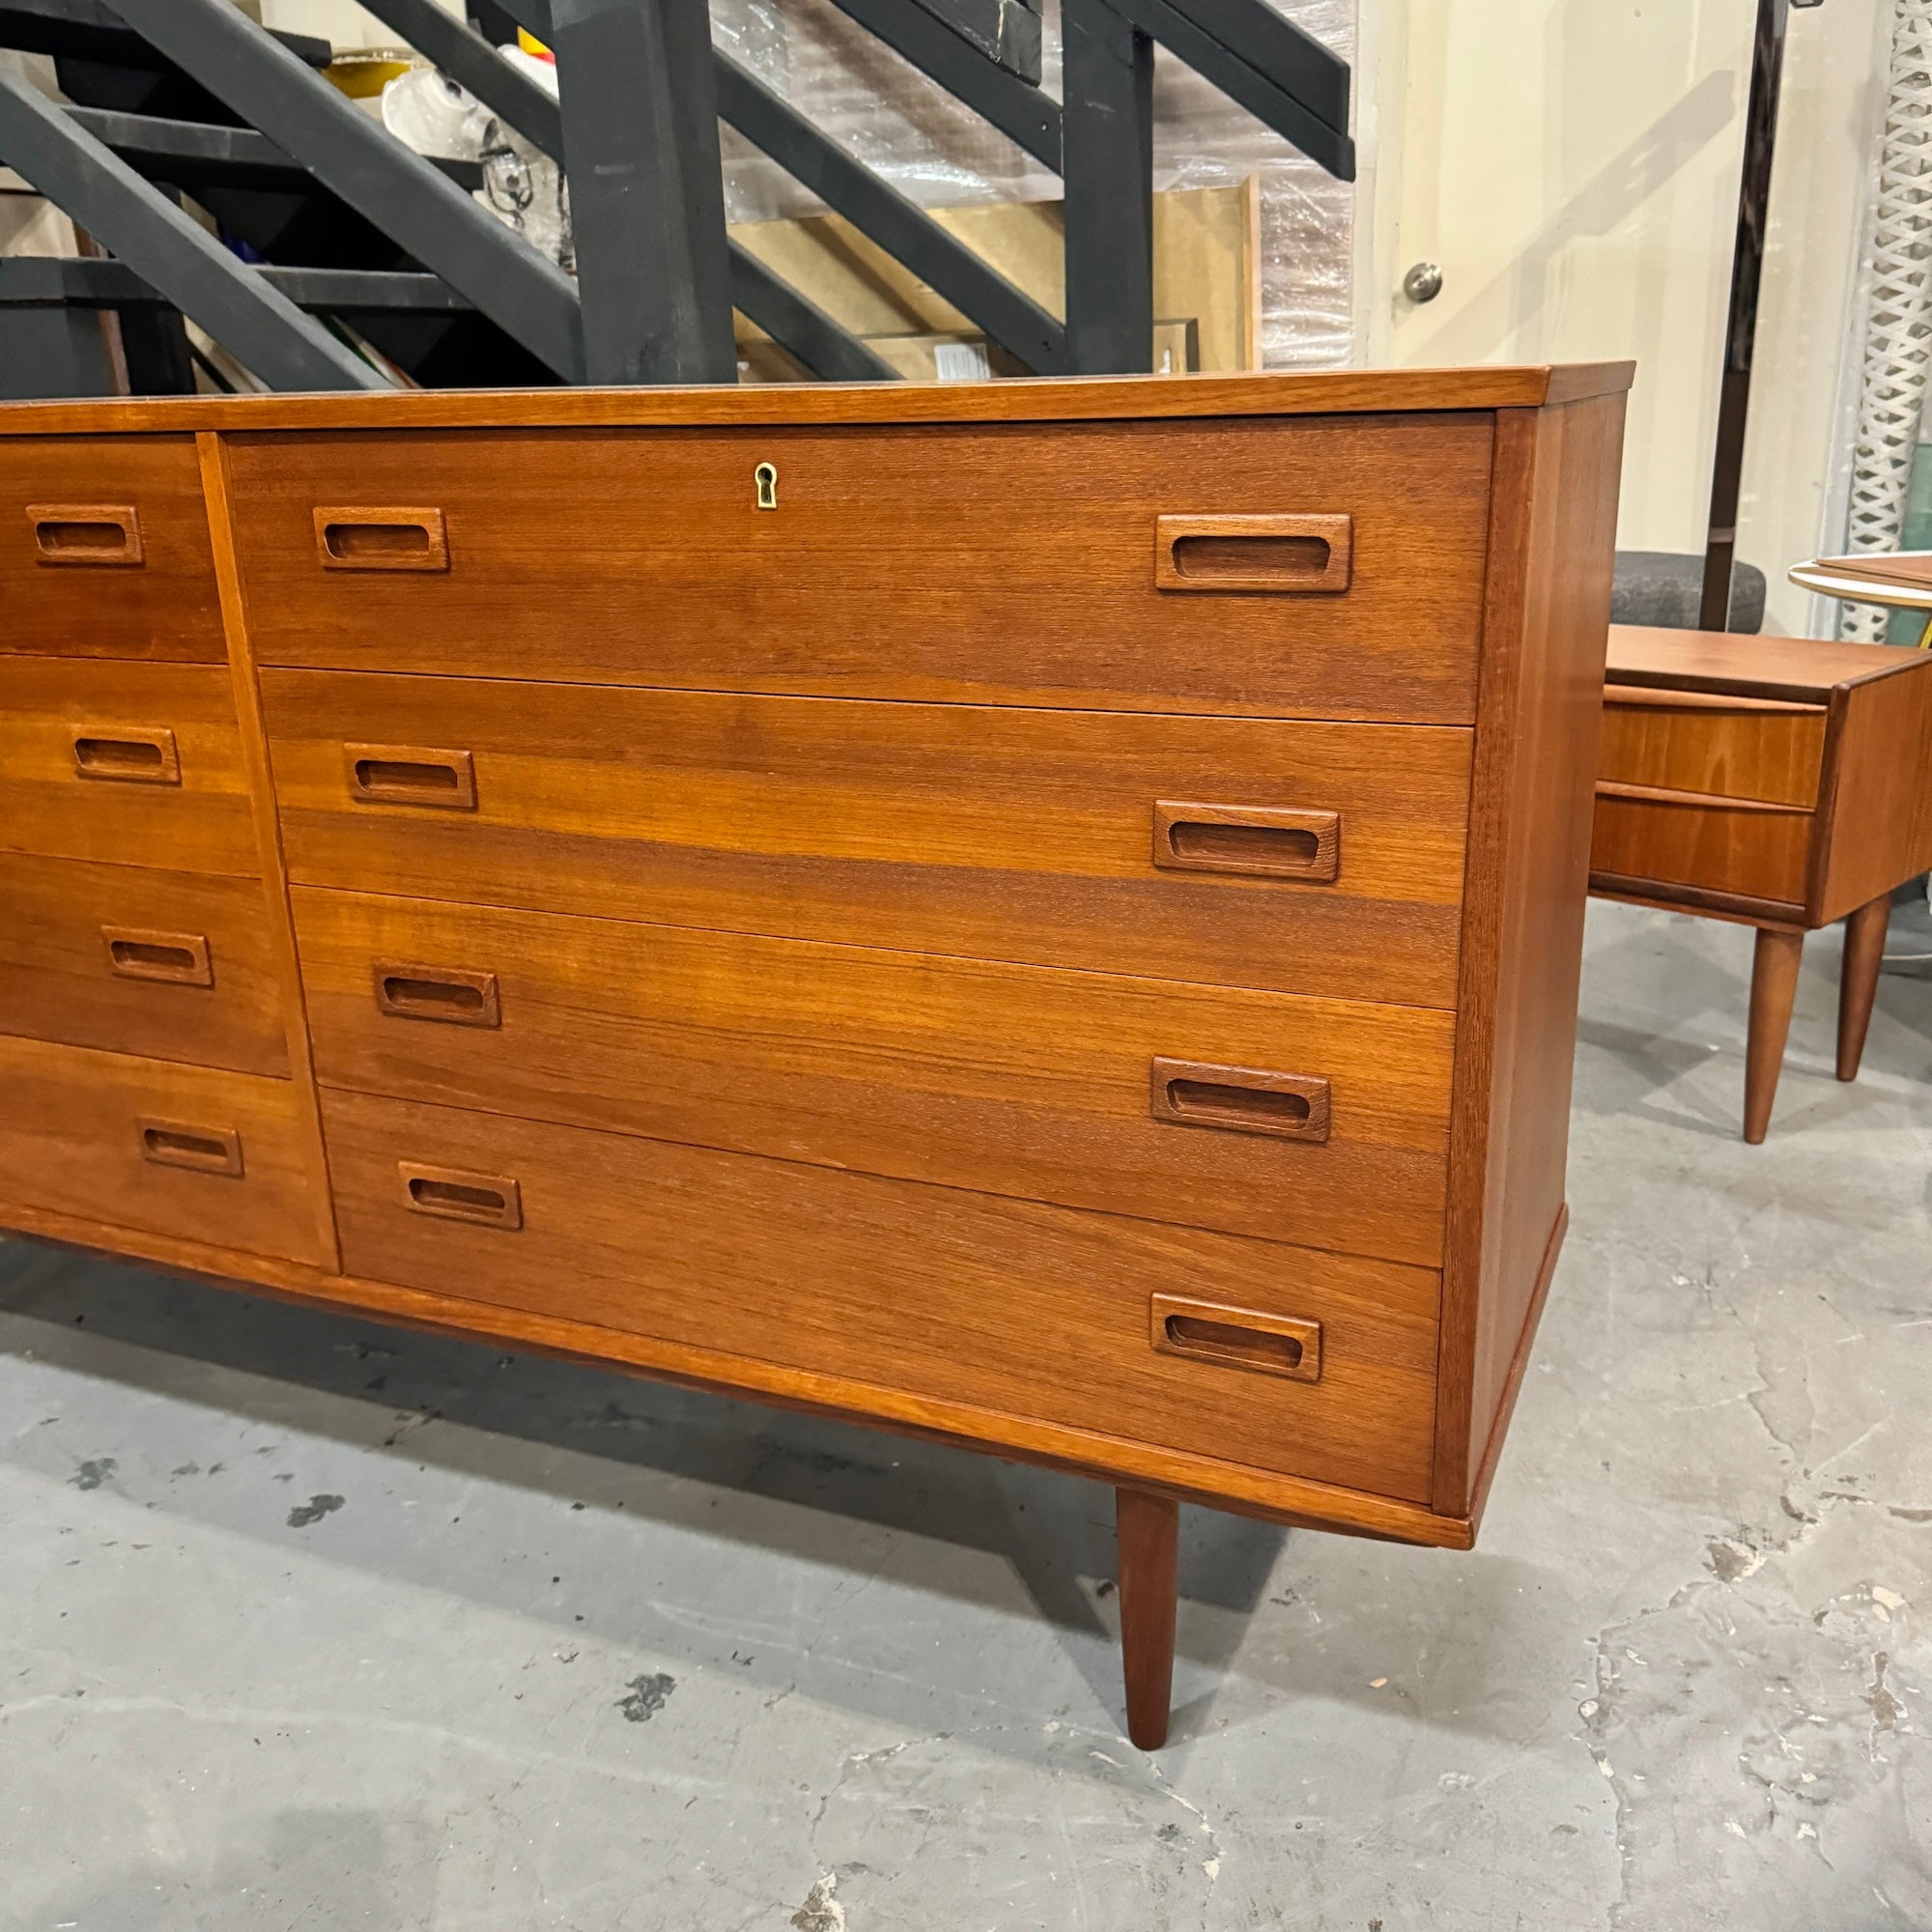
90	30
527	296
461	52
1016	107
1276	48
1005	31
895	222
260	326
1179	28
185	151
803	328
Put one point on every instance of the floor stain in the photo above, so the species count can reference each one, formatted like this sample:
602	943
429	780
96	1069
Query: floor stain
821	1911
647	1694
92	1474
313	1511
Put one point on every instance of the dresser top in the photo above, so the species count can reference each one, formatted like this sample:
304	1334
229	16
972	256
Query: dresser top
1083	399
1741	664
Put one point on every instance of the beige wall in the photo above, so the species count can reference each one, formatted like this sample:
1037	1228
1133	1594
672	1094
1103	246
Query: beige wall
1573	166
341	21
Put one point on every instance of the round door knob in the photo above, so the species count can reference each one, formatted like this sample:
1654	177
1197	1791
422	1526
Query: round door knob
1423	283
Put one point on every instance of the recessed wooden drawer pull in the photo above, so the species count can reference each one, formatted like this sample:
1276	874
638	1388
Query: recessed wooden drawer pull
1237	1338
1296	554
411	775
125	754
1193	1094
86	533
488	1200
204	1149
449	994
1262	842
176	959
382	539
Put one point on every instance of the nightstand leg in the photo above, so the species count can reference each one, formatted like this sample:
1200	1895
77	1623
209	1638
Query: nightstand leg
1774	987
1149	1529
1857	980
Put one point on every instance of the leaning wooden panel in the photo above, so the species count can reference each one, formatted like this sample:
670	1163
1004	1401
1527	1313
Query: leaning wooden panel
1036	1311
993	831
188	1152
169	965
128	763
103	550
963	563
1013	1080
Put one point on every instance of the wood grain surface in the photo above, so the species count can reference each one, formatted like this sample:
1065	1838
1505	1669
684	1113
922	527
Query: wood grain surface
1546	615
1747	752
1038	1312
1739	849
996	833
1084	399
1013	1080
57	976
163	607
203	824
71	1142
1877	819
960	564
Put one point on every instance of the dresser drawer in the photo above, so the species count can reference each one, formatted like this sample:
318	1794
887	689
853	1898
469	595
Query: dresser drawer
1746	851
1318	1122
1032	1311
125	762
1012	564
1746	748
995	832
186	1152
105	551
173	965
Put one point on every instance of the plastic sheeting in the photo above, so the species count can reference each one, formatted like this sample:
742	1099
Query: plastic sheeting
936	150
940	154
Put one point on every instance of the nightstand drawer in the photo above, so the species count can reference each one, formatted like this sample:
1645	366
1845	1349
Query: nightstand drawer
1757	852
1313	567
172	965
105	551
1325	1123
169	1149
130	764
1729	747
861	1284
1315	858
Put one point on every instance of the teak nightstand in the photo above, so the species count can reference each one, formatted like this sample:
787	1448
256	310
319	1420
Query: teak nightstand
1776	782
959	908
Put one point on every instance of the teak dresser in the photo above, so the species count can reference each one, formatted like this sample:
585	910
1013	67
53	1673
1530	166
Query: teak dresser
1045	915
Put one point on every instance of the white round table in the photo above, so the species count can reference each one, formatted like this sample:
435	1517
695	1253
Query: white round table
1856	588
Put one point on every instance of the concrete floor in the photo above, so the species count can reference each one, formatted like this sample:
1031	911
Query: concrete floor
305	1623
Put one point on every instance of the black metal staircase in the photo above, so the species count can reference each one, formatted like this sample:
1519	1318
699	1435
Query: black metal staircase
323	217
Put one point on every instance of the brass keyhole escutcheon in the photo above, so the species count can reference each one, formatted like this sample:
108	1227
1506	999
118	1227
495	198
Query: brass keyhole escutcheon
766	477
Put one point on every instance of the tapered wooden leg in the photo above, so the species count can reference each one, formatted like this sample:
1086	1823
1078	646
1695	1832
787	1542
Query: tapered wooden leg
1774	987
1149	1533
1857	980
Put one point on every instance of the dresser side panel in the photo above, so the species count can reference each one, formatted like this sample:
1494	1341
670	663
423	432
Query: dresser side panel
1553	536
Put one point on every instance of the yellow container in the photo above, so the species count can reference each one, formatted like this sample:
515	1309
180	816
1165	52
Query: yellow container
364	74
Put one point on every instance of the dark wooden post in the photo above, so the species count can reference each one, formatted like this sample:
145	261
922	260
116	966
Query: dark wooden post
1107	148
1148	1529
647	195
